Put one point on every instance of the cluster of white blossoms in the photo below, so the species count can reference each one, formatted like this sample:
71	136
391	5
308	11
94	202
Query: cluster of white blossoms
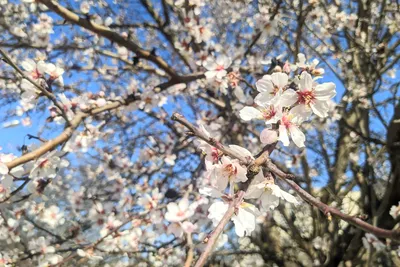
224	174
284	102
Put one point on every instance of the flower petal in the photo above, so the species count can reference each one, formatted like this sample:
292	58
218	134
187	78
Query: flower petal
298	136
250	113
288	98
306	81
268	136
283	136
325	91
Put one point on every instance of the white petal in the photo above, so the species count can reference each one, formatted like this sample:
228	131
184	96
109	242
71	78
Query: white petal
265	85
28	65
221	74
81	253
301	58
264	99
325	91
254	191
3	168
210	191
269	201
300	112
306	81
289	198
268	136
12	123
41	66
210	74
297	136
7	181
238	91
50	68
209	64
217	211
283	136
280	79
320	108
250	113
245	222
241	150
183	204
241	174
288	98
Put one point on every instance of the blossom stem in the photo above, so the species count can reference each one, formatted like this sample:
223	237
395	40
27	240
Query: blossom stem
289	178
213	237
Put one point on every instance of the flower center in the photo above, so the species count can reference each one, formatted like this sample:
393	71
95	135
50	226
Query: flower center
219	68
180	213
286	121
215	153
275	90
231	170
306	97
269	113
44	164
36	74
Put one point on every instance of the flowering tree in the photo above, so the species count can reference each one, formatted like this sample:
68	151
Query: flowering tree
187	132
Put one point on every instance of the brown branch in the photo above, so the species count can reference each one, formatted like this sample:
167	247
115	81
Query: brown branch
190	253
66	134
288	178
213	237
106	32
253	168
41	89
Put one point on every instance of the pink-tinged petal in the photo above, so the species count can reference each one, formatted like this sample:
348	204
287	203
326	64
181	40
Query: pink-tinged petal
28	65
320	109
280	79
3	168
306	81
265	85
250	113
283	135
325	91
241	174
268	136
288	98
297	136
